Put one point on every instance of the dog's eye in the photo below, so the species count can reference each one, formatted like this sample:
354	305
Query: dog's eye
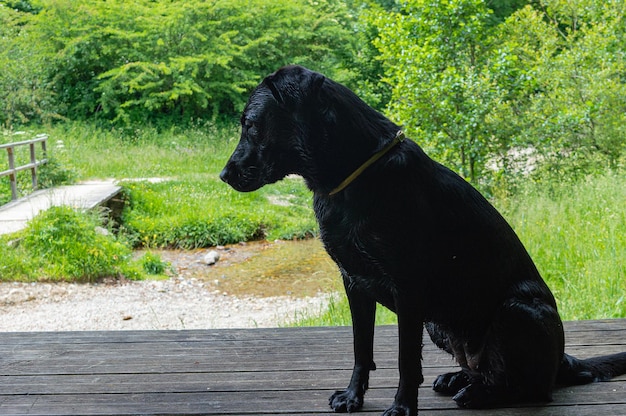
250	126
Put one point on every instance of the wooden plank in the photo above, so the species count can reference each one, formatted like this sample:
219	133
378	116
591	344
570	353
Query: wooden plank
321	335
23	167
241	346
273	402
284	380
37	139
15	215
255	354
147	360
254	372
200	361
595	325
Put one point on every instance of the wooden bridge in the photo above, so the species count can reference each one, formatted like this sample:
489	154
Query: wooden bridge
262	372
86	195
15	215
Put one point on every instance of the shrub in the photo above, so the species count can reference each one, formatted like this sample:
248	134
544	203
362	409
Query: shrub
152	264
202	213
69	245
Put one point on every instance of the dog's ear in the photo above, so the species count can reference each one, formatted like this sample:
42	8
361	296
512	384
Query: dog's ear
316	82
270	82
295	81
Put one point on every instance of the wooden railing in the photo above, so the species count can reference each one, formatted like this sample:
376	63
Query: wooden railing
13	170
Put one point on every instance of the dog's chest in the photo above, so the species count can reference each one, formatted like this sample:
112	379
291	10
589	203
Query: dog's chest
358	246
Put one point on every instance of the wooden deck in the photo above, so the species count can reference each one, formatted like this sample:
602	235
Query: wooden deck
248	372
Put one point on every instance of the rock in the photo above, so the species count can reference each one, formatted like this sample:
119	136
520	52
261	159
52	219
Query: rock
211	257
14	243
101	231
16	296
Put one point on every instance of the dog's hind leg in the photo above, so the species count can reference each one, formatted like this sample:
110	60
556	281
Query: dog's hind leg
450	383
363	311
520	357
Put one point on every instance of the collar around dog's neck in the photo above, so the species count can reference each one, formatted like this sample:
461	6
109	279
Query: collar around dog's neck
399	137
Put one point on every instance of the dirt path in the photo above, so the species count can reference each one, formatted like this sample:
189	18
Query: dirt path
198	297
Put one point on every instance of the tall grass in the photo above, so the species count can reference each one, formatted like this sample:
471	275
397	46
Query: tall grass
575	233
192	208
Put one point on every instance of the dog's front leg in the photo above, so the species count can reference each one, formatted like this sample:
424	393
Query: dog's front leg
363	311
410	329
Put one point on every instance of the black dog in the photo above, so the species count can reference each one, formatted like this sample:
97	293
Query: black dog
410	234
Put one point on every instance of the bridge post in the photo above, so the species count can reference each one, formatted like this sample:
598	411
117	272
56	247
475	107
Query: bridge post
12	175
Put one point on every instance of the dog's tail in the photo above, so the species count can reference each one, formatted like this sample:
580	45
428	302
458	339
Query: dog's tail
574	371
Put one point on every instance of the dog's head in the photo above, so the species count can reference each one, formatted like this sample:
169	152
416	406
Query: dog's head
273	129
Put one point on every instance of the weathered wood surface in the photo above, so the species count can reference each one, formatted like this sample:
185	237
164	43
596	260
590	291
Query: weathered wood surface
249	372
87	195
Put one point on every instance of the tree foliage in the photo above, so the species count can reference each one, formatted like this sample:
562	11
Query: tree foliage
24	95
141	60
574	57
476	85
483	85
438	59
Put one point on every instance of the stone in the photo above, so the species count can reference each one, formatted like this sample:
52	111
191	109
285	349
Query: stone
211	257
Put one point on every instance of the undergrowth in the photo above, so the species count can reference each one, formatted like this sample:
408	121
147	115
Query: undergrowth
64	244
576	235
575	230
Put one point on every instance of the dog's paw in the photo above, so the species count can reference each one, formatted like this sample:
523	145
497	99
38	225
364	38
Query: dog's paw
474	396
398	410
343	401
451	383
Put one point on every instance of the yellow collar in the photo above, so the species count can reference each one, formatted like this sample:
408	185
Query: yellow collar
399	137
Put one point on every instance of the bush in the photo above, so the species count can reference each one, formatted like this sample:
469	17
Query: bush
162	60
203	213
152	264
70	245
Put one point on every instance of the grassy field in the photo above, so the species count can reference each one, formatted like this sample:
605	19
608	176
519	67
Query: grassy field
191	208
575	232
577	236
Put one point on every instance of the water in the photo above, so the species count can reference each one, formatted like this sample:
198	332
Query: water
283	268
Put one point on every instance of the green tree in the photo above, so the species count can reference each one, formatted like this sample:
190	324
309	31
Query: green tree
24	97
484	88
441	63
573	55
132	61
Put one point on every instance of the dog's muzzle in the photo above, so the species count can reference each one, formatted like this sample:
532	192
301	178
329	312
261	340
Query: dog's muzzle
240	180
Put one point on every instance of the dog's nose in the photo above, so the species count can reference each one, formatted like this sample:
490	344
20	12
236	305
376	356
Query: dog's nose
224	174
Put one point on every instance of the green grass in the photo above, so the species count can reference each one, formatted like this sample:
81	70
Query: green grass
200	212
337	313
576	235
63	244
192	208
575	231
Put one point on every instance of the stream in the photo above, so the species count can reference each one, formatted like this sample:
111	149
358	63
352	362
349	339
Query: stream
281	268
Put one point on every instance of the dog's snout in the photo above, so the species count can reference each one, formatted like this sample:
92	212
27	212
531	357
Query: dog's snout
224	174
